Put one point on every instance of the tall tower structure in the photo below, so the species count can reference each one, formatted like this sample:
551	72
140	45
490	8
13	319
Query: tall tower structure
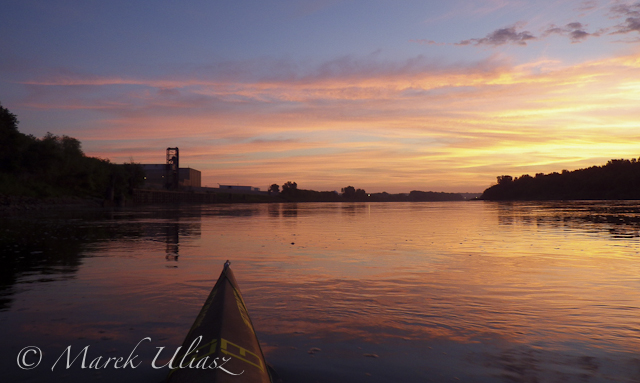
172	169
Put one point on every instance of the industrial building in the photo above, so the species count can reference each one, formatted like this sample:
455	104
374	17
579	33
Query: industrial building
170	175
156	177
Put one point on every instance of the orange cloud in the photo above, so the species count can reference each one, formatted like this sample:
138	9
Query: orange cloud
380	126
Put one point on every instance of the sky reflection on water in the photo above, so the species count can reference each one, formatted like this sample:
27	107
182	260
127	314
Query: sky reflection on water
436	291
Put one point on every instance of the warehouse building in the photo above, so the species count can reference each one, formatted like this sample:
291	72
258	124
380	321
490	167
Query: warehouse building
155	176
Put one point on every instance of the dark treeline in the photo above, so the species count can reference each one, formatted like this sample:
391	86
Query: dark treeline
618	179
55	166
291	193
417	196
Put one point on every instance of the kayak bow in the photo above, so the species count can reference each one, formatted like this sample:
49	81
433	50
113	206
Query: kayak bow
222	345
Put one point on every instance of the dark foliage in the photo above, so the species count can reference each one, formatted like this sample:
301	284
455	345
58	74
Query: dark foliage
291	193
416	196
289	188
56	166
617	180
352	194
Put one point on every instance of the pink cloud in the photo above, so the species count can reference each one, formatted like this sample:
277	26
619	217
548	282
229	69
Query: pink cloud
414	124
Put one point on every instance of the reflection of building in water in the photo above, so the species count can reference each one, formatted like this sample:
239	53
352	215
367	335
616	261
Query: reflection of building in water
171	227
173	242
175	229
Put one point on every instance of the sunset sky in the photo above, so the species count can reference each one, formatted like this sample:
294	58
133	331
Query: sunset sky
382	95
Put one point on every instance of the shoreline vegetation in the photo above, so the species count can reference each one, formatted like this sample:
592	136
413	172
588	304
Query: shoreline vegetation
618	179
53	171
291	193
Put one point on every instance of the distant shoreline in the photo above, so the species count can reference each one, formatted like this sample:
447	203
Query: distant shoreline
145	196
152	197
616	180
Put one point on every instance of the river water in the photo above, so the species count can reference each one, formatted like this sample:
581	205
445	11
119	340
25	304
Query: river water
338	292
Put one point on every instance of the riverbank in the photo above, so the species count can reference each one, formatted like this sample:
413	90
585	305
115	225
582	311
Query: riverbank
9	203
153	196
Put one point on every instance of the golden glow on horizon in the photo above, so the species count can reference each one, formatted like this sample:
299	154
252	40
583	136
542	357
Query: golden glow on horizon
371	130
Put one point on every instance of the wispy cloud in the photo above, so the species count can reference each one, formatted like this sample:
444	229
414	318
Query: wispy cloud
576	31
504	101
587	5
631	13
426	42
629	10
420	123
508	35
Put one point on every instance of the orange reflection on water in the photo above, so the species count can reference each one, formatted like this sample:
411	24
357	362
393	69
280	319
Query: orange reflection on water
436	270
554	277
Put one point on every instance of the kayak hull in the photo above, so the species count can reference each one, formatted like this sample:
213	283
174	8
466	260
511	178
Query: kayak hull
221	346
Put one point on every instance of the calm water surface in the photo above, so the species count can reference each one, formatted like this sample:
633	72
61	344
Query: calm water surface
352	292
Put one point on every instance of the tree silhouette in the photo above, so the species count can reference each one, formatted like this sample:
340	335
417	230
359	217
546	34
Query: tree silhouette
618	179
8	124
349	192
289	187
53	166
12	142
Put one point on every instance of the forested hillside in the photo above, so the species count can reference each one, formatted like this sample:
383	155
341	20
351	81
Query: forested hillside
618	179
54	166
